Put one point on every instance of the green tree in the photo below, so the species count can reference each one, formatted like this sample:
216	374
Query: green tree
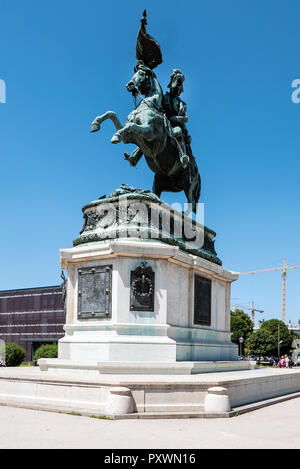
259	342
265	340
240	324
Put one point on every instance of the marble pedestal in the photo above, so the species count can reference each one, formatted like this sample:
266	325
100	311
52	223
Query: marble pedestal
168	333
156	297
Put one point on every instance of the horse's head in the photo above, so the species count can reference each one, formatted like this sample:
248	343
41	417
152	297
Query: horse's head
142	80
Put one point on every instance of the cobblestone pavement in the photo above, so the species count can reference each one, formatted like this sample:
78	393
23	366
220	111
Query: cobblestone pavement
277	426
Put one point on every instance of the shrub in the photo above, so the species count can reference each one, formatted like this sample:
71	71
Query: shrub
46	351
15	354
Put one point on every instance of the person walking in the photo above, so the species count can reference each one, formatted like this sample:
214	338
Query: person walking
281	362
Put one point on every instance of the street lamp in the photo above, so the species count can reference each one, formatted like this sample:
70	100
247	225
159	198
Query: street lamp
241	341
279	342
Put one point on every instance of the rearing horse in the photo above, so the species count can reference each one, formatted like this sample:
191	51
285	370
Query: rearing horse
148	128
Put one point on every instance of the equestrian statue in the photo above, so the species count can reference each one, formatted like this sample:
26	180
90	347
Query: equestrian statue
157	124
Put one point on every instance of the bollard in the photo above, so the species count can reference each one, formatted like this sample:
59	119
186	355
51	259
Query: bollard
119	401
217	400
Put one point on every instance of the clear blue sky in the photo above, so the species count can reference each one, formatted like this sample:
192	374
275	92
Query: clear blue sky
66	62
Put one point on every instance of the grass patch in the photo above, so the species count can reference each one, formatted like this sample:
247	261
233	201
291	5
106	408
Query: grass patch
101	417
264	366
77	414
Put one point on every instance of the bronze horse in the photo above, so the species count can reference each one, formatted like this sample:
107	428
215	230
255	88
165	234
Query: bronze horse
149	128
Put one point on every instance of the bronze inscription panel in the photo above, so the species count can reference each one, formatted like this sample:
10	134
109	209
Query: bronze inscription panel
94	292
202	301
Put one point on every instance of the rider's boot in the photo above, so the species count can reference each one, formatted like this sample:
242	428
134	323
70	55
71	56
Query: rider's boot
184	159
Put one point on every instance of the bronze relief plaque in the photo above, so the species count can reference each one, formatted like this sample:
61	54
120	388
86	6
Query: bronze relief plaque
94	292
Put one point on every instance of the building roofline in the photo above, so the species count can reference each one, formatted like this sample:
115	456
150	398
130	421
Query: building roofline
48	287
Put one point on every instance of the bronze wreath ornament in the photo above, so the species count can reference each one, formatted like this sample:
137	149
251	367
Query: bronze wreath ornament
142	287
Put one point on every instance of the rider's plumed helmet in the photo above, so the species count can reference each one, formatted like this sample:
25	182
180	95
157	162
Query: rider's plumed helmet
176	80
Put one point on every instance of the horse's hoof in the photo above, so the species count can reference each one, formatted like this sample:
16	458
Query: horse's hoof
95	128
116	138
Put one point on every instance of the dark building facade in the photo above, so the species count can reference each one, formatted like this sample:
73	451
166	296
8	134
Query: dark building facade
31	317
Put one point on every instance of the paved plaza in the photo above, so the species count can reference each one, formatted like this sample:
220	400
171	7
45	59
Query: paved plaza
276	426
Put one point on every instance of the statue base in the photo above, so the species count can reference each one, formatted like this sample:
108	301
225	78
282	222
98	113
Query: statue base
170	324
134	213
144	300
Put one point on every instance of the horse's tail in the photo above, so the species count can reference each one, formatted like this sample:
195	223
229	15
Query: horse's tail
195	187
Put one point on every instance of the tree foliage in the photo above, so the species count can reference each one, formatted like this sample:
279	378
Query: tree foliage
265	340
240	324
259	342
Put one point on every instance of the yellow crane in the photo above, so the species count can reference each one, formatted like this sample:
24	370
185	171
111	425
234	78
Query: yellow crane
283	269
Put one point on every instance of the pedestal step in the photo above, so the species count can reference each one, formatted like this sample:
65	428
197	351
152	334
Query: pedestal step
144	368
141	396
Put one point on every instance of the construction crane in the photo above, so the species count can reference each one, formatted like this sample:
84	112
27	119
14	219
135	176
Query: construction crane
283	269
251	309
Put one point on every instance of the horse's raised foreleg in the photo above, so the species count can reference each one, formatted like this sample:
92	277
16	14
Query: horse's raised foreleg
108	115
130	130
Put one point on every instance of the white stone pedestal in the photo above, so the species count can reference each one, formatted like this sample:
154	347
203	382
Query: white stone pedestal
165	335
146	292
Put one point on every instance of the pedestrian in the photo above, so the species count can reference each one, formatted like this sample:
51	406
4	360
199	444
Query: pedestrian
281	363
287	361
